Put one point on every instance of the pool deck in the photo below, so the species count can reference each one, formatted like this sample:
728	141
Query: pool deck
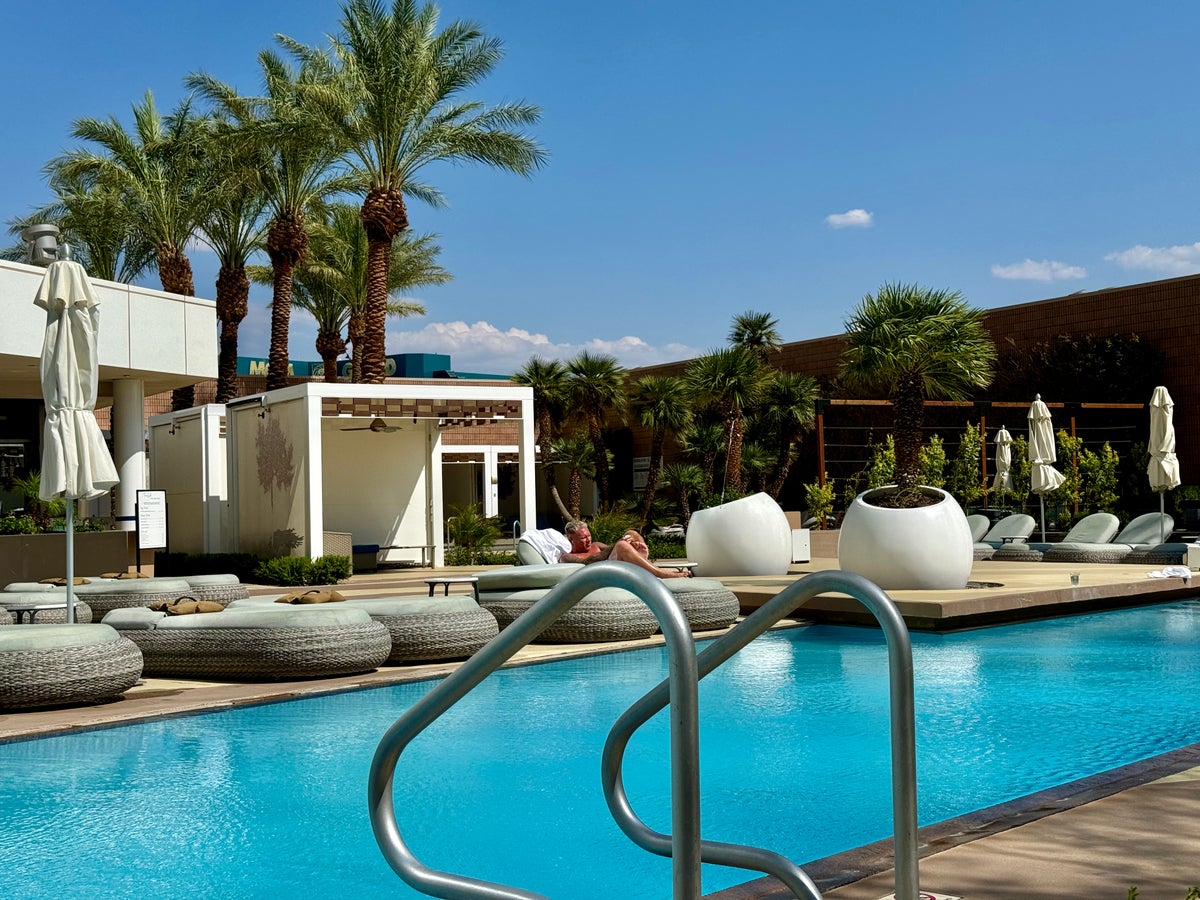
1134	826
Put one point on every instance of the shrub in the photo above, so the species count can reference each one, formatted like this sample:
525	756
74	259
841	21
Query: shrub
965	481
820	501
18	525
299	570
472	531
666	547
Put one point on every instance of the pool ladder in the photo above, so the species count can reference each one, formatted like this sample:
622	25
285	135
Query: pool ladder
679	691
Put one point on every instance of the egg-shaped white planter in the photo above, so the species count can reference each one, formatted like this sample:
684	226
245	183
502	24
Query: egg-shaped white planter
919	548
750	536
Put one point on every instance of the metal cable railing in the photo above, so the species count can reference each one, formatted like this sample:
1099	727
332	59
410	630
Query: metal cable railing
904	754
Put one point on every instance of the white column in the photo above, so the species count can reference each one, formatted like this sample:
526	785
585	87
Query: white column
491	482
129	446
314	505
527	469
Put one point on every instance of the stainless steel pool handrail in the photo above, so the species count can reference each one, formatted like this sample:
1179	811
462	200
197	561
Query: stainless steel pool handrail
680	690
903	736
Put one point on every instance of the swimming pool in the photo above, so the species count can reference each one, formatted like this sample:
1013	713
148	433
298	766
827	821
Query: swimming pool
270	801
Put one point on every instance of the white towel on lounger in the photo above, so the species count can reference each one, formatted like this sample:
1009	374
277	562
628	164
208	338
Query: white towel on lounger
549	542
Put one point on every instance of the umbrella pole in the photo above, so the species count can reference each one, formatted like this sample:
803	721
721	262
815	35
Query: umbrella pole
70	561
1042	506
1162	507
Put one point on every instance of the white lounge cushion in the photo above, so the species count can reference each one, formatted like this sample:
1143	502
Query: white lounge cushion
48	637
522	577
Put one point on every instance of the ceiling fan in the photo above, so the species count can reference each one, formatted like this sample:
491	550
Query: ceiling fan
377	425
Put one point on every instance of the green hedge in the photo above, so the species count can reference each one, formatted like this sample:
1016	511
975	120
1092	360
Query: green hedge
282	570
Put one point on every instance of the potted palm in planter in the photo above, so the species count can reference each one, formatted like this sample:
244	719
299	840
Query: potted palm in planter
913	343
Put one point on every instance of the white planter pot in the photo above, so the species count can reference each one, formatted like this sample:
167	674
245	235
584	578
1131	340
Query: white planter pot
750	536
922	548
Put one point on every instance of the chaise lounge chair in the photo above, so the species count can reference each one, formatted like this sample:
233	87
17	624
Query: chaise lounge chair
1098	528
1142	532
979	526
1016	527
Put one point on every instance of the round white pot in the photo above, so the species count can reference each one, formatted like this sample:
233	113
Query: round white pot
749	536
922	548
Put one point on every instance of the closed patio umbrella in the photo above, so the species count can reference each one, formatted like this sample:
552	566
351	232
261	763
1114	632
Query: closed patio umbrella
1164	467
1043	477
76	464
1003	479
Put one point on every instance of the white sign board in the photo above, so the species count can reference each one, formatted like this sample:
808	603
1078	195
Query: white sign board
152	520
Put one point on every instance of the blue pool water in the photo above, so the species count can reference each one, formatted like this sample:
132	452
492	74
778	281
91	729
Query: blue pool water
270	801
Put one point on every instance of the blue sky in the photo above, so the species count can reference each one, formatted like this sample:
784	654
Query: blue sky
709	158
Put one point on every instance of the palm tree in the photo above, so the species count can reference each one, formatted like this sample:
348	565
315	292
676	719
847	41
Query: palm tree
704	441
234	230
688	481
732	380
915	342
789	405
576	454
756	331
395	101
756	460
339	258
163	180
662	404
295	157
93	218
597	383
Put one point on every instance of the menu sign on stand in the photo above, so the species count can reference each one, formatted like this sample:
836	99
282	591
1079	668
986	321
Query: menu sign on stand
151	514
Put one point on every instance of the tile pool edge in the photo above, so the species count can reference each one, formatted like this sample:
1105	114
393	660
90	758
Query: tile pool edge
854	865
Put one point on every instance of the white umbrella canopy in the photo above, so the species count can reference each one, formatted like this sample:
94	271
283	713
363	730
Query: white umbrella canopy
1043	477
1163	469
1003	478
76	464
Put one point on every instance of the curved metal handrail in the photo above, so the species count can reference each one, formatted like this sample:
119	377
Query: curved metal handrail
680	689
904	753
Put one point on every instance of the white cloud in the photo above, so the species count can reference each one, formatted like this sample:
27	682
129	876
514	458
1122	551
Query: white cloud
1032	270
1179	260
482	347
852	218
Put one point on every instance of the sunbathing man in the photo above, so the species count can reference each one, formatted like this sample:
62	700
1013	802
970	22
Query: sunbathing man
631	548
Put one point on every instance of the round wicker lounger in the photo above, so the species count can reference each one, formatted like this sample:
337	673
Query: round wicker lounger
423	629
51	665
608	614
256	645
105	596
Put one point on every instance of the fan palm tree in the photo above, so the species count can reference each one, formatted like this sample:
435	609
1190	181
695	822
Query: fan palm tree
688	481
755	331
551	387
704	441
662	404
163	179
789	405
915	342
295	158
732	380
597	384
576	454
395	99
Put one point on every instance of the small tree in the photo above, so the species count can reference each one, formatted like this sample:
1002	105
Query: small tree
965	481
915	342
471	530
819	498
933	462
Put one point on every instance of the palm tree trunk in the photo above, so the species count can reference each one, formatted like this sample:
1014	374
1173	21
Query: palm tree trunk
233	291
384	216
733	460
783	467
910	417
330	345
287	241
657	441
601	456
574	492
355	330
175	273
